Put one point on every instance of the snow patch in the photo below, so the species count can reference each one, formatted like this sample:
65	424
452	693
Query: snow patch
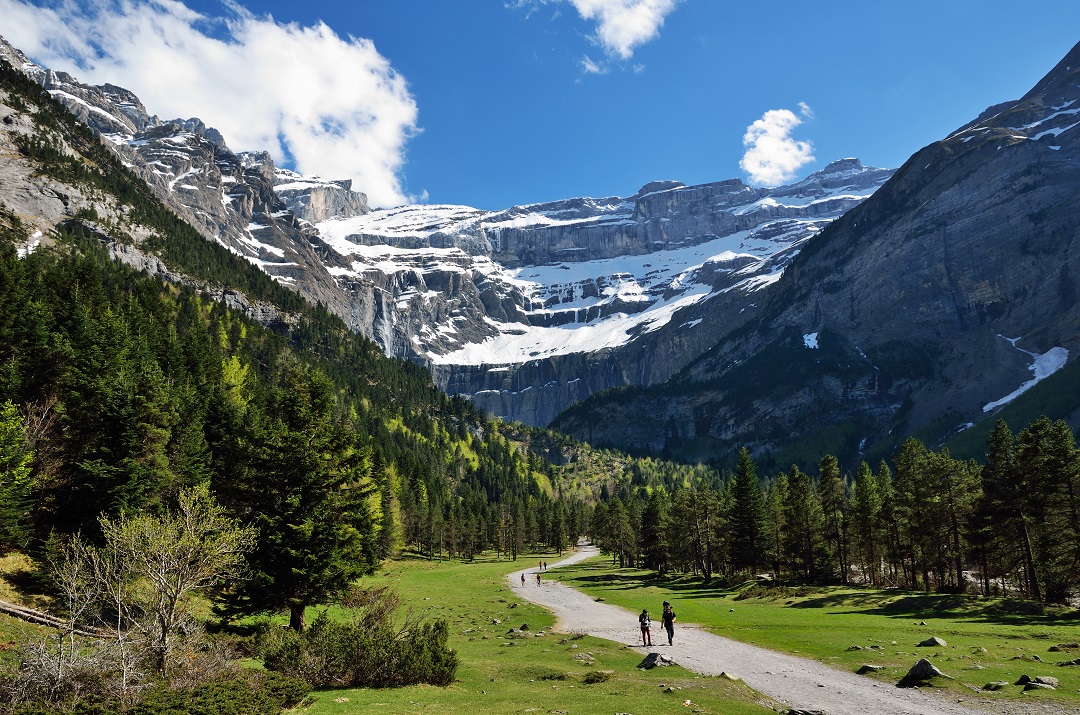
1042	367
810	340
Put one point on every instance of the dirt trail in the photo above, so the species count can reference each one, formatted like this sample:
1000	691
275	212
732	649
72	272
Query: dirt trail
796	682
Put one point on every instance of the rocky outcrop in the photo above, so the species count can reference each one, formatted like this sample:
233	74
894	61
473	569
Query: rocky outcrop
929	304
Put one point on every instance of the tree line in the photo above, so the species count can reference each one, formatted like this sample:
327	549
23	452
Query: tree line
1008	527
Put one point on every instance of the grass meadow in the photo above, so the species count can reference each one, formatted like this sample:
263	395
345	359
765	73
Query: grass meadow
987	639
534	674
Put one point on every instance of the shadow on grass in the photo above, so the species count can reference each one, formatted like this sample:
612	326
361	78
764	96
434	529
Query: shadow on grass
894	604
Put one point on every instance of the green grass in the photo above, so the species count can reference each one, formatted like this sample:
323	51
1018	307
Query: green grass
500	674
988	639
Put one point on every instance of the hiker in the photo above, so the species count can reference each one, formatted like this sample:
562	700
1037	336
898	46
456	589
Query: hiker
668	621
537	578
545	565
523	579
646	632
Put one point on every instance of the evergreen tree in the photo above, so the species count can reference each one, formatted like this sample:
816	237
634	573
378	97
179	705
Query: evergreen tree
748	525
15	484
306	493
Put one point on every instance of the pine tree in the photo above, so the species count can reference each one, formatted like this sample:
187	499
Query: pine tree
306	492
748	525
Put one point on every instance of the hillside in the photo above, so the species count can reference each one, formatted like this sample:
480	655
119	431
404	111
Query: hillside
927	310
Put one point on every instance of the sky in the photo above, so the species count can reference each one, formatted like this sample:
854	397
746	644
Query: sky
492	103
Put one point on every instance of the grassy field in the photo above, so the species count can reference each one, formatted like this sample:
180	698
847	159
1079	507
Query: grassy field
539	673
987	639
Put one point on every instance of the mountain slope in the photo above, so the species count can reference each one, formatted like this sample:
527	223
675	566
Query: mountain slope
922	310
524	310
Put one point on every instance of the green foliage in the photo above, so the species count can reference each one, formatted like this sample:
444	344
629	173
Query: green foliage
362	654
15	484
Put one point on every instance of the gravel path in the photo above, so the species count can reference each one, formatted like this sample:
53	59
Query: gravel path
796	682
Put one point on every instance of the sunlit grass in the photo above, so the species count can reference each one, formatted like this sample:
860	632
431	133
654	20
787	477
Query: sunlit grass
535	673
987	639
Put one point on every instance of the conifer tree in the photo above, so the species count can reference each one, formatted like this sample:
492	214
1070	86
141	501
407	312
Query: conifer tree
748	524
306	492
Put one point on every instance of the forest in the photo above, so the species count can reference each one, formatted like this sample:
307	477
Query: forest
1009	527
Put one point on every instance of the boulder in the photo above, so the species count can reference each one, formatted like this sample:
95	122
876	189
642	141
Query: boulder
1038	686
996	685
1064	647
655	660
920	673
804	711
933	642
1075	661
867	668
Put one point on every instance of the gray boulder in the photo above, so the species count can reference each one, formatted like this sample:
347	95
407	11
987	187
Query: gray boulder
920	673
933	642
655	660
996	685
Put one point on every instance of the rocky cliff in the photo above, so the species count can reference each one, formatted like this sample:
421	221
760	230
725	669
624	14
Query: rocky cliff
525	310
925	310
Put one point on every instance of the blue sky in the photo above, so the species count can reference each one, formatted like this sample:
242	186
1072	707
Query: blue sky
498	102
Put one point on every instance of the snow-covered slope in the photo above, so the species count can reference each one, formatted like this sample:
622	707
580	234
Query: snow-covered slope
606	291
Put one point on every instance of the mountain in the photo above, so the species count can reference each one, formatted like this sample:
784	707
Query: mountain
525	310
929	309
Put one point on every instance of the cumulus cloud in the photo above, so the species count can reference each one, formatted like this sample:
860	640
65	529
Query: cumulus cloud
329	105
623	25
772	157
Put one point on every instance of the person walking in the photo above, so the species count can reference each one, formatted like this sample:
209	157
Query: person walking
537	578
646	631
667	620
523	579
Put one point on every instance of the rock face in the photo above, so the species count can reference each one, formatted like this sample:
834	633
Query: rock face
525	310
925	309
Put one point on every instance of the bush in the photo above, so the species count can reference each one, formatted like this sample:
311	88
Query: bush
331	654
597	676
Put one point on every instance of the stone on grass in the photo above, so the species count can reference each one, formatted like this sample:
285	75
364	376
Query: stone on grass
933	642
655	660
854	647
728	676
804	711
524	626
1038	686
920	673
996	685
1064	646
1070	662
867	668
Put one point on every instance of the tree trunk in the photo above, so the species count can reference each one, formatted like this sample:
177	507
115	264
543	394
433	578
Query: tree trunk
296	617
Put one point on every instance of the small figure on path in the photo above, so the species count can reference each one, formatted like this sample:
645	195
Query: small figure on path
540	565
523	579
646	632
537	578
668	621
545	565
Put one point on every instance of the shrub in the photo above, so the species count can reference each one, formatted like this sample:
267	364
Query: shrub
597	676
361	654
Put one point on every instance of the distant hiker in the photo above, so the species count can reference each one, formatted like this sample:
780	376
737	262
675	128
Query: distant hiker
540	565
537	578
545	565
668	621
646	632
523	579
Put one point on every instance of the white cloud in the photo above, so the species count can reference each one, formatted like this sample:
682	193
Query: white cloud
623	25
772	157
332	105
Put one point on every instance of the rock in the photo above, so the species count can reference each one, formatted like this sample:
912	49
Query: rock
1038	686
804	711
524	626
933	642
1075	661
996	685
854	647
655	660
1064	647
729	676
1047	680
867	668
495	621
920	673
1024	680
